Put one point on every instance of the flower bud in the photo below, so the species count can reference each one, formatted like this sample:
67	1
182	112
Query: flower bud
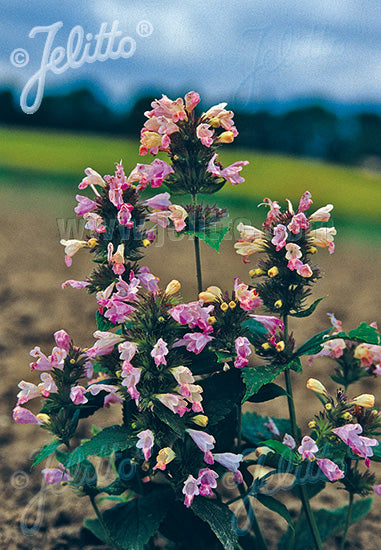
211	294
200	420
45	418
252	272
312	424
224	306
214	122
273	272
266	345
365	400
211	320
280	346
146	242
72	361
316	386
225	137
92	243
312	249
232	304
278	304
328	406
172	287
347	416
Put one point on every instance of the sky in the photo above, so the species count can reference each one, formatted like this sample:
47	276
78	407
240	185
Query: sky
244	52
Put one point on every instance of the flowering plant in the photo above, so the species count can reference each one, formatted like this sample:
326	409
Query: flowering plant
180	371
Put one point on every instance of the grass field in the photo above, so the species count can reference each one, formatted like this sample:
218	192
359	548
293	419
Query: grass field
31	159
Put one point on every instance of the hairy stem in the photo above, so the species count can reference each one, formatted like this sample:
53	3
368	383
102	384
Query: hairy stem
294	430
196	242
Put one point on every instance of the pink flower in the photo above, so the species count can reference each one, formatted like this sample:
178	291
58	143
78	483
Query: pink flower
94	222
323	237
92	178
127	292
230	173
173	402
146	442
153	142
308	448
124	215
377	489
174	110
178	215
230	461
271	426
71	247
192	314
269	322
116	259
56	475
159	202
190	490
182	375
305	202
28	391
154	173
47	385
289	441
118	311
191	100
360	445
280	236
205	134
127	351
160	170
42	363
248	299
304	271
273	213
111	397
105	344
62	339
23	416
330	469
204	442
75	284
293	251
159	351
207	479
194	342
131	377
242	347
298	222
321	215
84	206
77	395
148	280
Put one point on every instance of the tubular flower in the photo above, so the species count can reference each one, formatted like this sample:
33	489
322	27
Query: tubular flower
146	442
365	400
23	416
159	351
248	298
190	490
359	444
242	347
230	173
307	448
71	247
316	386
56	475
164	457
207	479
330	469
204	442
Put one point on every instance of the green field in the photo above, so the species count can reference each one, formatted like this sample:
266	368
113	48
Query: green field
47	160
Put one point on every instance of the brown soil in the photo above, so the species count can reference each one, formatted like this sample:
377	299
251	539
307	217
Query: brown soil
33	306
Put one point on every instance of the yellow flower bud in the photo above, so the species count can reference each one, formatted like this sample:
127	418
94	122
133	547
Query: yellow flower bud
280	346
92	242
252	272
211	294
225	137
211	320
312	424
200	420
328	406
172	287
45	418
347	416
118	373
365	400
259	271
316	386
214	122
273	272
72	361
278	304
232	304
312	250
266	345
224	306
161	319
146	242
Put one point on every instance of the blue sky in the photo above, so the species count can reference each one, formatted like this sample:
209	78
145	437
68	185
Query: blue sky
246	51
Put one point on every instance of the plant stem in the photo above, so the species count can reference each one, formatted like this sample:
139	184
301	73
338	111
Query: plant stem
109	538
294	429
239	422
196	242
347	521
261	543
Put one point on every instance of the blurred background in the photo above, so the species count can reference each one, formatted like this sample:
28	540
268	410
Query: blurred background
304	81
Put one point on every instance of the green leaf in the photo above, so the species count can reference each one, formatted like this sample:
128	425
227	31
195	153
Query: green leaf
172	420
132	524
267	393
282	449
109	440
212	236
46	451
307	312
117	487
256	377
103	323
223	356
257	331
295	365
313	345
275	506
328	522
219	518
365	333
254	430
376	454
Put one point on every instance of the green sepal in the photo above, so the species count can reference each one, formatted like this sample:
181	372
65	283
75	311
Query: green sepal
313	344
307	312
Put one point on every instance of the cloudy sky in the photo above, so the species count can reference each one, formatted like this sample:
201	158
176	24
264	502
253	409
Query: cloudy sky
242	51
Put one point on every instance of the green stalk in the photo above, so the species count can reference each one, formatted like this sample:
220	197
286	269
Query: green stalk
347	521
196	242
294	429
261	543
110	540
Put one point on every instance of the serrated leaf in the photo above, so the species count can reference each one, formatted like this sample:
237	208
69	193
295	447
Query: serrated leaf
282	449
275	506
46	451
328	522
211	236
307	312
219	518
103	323
109	440
256	377
267	393
254	430
313	344
132	524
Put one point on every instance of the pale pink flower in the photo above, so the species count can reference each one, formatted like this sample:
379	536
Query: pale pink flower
159	202
190	490
127	292
164	457
280	236
117	310
230	173
131	376
42	363
271	426
23	416
191	100
298	222
47	385
94	222
84	206
308	448
293	251
242	348
207	479
178	215
62	339
161	125
92	178
28	391
153	173
377	489
273	213
127	351
146	442
269	322
160	217
159	351
289	441
173	110
230	461
57	357
304	271
124	215
248	298
153	142
205	442
330	469
77	395
322	214
249	233
173	402
323	237
337	325
192	314
246	248
96	388
116	259
148	280
360	445
75	284
182	375
305	202
105	344
194	342
71	247
56	475
219	116
205	134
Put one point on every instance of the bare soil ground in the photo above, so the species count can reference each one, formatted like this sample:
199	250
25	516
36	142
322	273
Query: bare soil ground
33	306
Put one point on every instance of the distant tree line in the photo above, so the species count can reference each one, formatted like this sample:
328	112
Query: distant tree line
313	131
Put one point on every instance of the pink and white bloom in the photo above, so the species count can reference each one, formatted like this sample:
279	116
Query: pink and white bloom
360	445
159	202
56	475
289	441
269	322
116	259
173	402
242	348
174	110
105	344
182	375
305	202
127	352
323	237
47	385
42	363
62	339
231	173
207	479
191	100
164	457
75	284
193	314
124	215
92	178
23	416
308	448
293	251
298	222
71	247
271	426
190	490
94	222
146	442
194	342
230	461
248	298
322	214
280	236
131	376
84	206
148	280
204	442
205	134
28	391
377	489
178	216
249	233
77	395
159	351
330	469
